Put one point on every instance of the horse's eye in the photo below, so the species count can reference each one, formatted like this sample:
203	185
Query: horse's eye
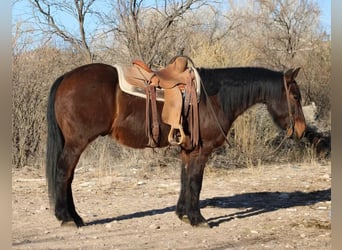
296	97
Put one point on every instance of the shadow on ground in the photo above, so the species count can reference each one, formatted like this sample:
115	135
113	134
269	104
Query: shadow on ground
251	204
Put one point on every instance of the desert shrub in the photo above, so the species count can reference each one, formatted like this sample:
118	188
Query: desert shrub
33	74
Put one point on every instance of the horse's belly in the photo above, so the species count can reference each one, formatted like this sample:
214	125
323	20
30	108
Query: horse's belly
131	131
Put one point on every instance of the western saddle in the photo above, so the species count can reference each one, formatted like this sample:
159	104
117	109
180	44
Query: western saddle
178	81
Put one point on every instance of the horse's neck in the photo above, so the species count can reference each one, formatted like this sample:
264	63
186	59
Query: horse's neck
240	111
236	98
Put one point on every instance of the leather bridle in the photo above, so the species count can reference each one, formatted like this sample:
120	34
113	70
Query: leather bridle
290	128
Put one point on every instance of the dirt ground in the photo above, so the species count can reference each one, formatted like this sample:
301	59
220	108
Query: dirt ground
267	207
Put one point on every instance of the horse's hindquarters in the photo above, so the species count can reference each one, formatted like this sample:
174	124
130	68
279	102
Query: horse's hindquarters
85	102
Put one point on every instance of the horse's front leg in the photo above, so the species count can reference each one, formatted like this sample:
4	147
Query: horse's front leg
188	208
181	209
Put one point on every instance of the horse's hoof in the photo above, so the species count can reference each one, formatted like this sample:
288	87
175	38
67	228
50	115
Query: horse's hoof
203	225
79	223
69	223
185	219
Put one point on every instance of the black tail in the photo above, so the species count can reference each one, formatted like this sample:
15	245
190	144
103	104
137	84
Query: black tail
55	143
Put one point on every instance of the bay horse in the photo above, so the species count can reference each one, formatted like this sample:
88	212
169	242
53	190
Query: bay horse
87	102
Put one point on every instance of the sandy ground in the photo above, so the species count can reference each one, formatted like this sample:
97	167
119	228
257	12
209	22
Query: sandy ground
268	207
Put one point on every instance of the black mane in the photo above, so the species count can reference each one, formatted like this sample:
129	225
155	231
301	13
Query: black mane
242	87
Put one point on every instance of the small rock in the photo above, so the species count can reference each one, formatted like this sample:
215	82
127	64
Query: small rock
322	208
154	226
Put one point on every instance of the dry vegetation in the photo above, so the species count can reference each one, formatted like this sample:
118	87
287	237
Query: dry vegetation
254	34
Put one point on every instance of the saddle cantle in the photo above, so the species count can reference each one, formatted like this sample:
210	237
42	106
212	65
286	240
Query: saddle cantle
167	85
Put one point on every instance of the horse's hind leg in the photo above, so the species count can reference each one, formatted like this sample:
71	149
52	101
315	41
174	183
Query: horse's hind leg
65	207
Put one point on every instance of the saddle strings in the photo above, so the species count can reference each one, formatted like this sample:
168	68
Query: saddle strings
152	132
191	107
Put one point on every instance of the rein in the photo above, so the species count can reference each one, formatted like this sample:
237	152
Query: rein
214	114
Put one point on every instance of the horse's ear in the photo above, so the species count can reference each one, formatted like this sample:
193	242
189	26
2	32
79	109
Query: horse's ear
288	75
291	74
295	73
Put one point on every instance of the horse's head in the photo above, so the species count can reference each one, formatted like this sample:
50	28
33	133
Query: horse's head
287	111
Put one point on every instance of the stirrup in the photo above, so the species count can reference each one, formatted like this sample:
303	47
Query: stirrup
173	140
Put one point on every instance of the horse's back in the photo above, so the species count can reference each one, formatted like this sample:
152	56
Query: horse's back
85	102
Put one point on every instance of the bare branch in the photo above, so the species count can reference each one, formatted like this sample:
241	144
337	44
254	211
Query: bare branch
79	9
145	30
